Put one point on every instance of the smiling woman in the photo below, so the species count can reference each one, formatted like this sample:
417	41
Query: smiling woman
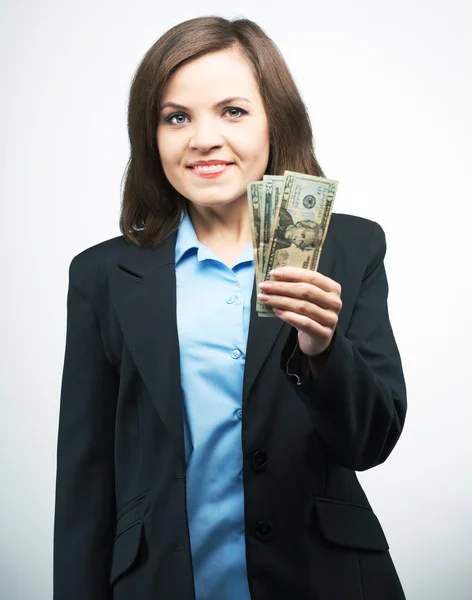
206	131
205	453
205	82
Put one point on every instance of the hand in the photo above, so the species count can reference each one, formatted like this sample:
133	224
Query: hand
307	300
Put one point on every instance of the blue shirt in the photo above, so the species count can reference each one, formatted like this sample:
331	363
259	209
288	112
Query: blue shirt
213	309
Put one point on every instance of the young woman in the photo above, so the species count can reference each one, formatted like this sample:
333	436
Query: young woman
206	453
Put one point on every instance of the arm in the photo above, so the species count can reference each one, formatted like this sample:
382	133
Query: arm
85	502
352	384
356	393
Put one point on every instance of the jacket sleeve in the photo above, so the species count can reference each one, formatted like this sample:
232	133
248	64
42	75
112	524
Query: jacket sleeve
85	498
358	400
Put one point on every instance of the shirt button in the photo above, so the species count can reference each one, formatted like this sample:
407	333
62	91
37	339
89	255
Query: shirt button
239	413
235	354
231	299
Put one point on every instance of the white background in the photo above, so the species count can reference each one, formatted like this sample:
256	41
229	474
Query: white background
388	86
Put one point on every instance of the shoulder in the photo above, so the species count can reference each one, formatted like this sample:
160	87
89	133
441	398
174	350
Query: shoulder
357	234
358	248
86	269
354	227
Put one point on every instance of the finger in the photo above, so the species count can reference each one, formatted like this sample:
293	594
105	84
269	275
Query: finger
325	318
306	325
294	274
303	291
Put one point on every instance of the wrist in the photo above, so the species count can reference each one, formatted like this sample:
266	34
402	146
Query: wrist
317	362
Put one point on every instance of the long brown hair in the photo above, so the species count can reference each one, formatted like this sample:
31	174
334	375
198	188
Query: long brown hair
151	208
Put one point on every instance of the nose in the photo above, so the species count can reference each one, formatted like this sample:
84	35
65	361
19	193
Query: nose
205	136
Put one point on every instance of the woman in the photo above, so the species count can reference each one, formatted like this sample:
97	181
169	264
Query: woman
204	452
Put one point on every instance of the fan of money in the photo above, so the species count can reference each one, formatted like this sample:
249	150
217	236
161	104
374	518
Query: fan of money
290	216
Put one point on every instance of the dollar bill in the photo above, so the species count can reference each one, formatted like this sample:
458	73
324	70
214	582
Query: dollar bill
300	225
271	189
254	197
271	193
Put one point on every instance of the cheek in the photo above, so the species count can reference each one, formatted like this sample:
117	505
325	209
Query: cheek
263	137
167	149
256	145
252	139
161	148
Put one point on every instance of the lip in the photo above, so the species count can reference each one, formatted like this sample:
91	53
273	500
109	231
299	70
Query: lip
194	168
208	163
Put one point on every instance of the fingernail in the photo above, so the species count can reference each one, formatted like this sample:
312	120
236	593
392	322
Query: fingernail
276	274
264	285
263	297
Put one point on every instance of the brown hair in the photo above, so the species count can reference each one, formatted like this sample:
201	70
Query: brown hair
151	208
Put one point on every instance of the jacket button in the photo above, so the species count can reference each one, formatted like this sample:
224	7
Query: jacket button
264	530
259	460
177	547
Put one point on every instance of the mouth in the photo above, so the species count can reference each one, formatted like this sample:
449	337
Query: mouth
209	169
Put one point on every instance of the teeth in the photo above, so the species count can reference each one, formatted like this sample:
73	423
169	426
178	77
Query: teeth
209	168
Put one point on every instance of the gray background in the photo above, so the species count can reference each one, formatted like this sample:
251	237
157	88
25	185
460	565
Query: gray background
388	86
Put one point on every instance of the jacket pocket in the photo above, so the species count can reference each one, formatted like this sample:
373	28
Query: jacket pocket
128	535
349	524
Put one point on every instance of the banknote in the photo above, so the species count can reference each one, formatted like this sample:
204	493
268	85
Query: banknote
271	193
300	225
271	189
254	197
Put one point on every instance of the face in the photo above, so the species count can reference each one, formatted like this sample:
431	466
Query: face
213	132
302	237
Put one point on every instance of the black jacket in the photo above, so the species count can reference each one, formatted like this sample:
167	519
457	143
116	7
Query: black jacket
121	527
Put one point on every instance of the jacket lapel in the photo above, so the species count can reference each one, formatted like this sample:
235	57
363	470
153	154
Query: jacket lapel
143	289
263	332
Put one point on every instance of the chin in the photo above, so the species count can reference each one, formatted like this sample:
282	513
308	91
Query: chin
213	199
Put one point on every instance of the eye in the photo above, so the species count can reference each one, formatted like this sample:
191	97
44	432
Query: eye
176	119
234	112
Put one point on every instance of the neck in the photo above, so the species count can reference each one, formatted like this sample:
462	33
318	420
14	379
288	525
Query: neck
226	230
227	225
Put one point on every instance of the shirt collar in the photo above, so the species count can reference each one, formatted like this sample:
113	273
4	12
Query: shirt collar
186	238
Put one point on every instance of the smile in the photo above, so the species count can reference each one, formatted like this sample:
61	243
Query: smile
210	171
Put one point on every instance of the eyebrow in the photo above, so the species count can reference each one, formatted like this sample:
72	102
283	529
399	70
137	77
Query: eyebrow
215	106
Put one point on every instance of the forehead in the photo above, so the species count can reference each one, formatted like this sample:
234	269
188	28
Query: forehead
225	73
